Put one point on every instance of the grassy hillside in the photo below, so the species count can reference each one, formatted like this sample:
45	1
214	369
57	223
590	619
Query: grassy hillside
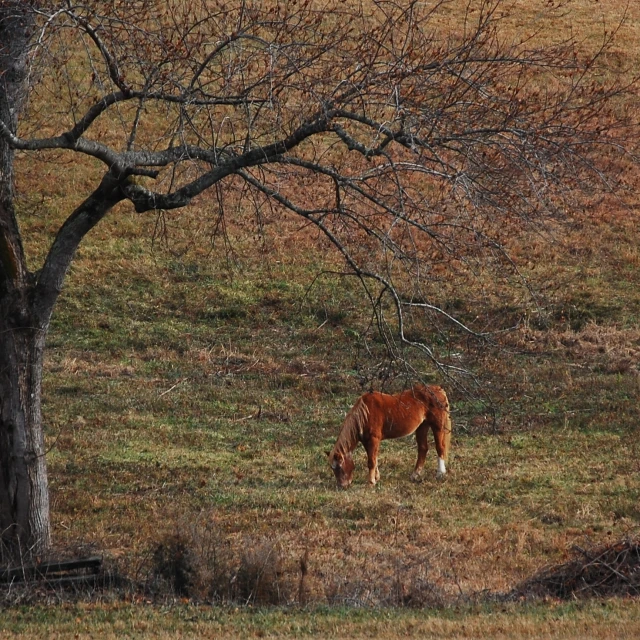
198	397
194	383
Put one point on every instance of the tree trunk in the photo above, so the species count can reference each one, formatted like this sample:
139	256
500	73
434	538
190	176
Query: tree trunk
26	304
24	499
24	496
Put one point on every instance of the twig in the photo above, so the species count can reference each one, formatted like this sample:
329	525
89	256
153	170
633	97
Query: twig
170	389
253	416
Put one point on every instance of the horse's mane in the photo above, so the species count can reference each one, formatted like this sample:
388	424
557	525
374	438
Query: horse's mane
352	427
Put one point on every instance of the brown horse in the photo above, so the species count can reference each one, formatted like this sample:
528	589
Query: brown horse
377	416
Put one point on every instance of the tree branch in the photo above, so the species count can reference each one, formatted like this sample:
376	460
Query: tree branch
78	224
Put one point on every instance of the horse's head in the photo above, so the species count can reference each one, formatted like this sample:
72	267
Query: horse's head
343	467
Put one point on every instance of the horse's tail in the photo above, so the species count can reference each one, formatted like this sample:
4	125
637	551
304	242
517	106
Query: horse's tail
447	426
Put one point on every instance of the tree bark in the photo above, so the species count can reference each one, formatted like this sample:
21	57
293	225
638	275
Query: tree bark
24	498
24	492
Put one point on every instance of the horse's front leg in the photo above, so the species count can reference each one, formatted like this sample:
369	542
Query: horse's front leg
372	447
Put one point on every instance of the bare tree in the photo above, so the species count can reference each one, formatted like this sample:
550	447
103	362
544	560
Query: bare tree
403	145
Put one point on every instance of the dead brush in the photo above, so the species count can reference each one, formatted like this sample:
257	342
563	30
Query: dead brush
193	562
200	563
174	566
418	589
260	578
602	571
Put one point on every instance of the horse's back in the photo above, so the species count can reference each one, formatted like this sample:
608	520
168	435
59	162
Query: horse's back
432	396
378	405
393	416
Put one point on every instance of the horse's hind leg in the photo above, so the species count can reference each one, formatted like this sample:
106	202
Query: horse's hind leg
422	433
439	435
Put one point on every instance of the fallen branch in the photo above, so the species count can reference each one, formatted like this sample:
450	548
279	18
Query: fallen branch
55	570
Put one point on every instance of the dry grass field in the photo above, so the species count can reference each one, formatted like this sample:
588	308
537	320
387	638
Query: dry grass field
192	389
